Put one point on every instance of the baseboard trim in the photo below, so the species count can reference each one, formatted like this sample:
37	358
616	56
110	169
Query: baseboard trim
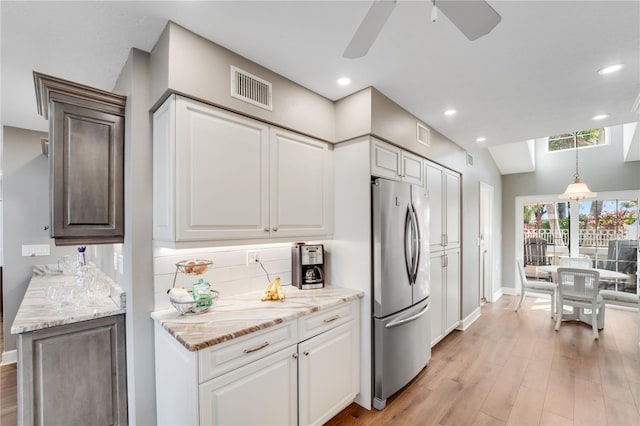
470	319
10	357
508	290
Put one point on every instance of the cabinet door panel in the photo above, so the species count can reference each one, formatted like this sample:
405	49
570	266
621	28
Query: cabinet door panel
222	175
86	158
452	209
412	169
385	160
261	393
73	374
301	185
328	374
433	175
452	290
437	297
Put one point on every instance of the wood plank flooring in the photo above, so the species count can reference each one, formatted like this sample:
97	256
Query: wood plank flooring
512	368
508	368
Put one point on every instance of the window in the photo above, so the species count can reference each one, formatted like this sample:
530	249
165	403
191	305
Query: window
585	138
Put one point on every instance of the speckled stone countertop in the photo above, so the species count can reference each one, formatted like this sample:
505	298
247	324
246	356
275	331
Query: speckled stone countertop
36	312
239	315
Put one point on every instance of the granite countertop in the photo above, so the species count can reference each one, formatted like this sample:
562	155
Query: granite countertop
236	316
36	312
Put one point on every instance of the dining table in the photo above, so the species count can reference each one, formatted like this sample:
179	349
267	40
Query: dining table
606	274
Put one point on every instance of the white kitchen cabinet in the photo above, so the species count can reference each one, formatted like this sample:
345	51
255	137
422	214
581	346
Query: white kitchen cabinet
299	372
391	162
261	393
328	373
443	187
219	176
445	293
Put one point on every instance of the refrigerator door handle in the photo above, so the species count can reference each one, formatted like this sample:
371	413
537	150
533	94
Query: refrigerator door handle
416	243
409	319
408	249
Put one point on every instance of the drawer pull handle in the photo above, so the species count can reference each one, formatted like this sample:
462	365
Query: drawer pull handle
333	318
256	348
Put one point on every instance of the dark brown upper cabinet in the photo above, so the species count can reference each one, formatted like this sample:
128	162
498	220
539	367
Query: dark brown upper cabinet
86	161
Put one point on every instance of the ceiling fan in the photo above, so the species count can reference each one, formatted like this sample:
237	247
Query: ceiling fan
474	18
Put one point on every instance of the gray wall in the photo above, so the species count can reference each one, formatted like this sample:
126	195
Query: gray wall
601	167
136	277
186	63
25	213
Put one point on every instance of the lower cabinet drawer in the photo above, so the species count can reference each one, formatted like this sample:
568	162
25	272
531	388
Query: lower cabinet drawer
319	322
224	357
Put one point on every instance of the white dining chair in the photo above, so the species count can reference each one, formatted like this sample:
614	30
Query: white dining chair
578	287
534	286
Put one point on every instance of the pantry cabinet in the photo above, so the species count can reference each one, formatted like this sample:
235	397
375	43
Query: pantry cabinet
219	176
445	293
443	187
391	162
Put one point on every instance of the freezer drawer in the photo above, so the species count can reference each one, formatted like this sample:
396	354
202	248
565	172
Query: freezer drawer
402	347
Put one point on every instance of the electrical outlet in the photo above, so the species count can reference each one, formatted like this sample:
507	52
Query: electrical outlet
253	256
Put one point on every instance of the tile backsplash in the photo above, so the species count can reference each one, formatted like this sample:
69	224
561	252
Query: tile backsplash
230	274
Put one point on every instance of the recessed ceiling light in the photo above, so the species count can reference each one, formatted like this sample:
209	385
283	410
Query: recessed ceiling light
450	112
600	117
344	81
610	69
481	139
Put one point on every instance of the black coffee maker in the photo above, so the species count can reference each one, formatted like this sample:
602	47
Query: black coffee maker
307	264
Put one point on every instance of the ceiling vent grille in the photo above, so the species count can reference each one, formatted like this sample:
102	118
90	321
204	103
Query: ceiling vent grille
422	135
251	89
469	159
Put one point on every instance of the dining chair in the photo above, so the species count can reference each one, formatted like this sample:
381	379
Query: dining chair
579	288
535	286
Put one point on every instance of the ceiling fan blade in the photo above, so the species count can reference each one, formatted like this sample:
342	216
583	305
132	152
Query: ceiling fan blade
475	18
369	28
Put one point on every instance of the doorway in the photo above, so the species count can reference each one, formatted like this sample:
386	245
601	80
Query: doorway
485	245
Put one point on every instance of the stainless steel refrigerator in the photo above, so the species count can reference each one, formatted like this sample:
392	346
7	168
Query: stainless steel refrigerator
400	287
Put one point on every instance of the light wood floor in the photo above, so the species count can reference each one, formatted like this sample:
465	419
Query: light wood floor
513	368
507	368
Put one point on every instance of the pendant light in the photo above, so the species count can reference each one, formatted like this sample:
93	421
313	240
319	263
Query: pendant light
577	190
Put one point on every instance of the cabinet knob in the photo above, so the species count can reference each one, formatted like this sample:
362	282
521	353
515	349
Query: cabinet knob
295	355
275	229
306	353
266	229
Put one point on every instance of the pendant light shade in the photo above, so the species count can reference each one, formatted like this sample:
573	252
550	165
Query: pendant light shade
577	190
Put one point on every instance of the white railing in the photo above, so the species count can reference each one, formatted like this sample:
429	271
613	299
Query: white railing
586	237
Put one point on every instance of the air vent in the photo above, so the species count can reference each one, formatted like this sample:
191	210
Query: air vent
636	105
251	89
469	159
422	135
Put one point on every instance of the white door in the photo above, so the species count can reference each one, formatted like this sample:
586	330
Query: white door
261	393
301	185
433	176
452	308
328	373
486	243
452	218
436	265
222	174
